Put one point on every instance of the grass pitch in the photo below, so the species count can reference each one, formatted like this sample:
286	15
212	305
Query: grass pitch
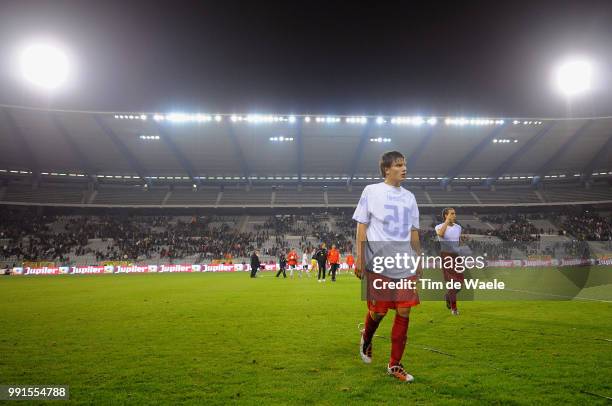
218	338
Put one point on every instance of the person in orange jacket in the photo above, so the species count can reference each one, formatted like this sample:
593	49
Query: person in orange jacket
333	257
350	261
292	260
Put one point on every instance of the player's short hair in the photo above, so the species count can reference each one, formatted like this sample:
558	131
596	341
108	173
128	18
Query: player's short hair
446	211
387	160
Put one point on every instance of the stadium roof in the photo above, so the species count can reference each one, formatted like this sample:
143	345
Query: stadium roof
210	147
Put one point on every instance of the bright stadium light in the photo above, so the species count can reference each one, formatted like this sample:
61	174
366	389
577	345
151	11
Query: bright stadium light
44	65
574	77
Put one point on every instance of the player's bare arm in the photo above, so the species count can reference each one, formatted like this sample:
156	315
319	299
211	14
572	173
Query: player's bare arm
415	243
360	240
442	230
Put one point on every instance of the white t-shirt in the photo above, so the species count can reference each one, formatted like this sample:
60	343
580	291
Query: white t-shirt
390	212
451	237
305	260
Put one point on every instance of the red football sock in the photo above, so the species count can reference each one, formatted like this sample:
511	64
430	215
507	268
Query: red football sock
370	327
398	338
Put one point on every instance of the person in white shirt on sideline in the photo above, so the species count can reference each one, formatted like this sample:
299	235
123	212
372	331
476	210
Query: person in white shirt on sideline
305	261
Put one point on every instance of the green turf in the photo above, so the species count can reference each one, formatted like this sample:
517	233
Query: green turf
218	338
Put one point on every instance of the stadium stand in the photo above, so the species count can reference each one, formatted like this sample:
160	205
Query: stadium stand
304	192
190	196
292	196
288	195
339	196
58	193
129	195
508	195
239	196
567	193
458	195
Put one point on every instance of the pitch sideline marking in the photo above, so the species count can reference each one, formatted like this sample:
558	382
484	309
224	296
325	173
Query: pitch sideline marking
563	296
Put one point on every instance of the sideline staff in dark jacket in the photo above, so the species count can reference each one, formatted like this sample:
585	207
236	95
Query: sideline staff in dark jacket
282	262
255	264
321	257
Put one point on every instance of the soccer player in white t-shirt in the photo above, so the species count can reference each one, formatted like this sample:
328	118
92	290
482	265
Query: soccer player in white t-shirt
388	212
305	261
449	235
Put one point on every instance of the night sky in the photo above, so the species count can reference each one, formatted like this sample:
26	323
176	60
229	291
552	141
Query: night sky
396	58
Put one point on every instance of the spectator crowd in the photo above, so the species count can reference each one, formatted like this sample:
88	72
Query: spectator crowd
26	235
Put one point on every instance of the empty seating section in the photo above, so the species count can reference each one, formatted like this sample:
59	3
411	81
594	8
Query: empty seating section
66	194
569	194
292	196
341	195
131	195
456	196
200	196
507	195
242	197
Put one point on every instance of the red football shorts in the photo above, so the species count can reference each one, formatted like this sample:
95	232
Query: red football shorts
380	301
449	271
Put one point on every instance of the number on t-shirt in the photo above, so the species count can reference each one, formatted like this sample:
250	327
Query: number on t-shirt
393	225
